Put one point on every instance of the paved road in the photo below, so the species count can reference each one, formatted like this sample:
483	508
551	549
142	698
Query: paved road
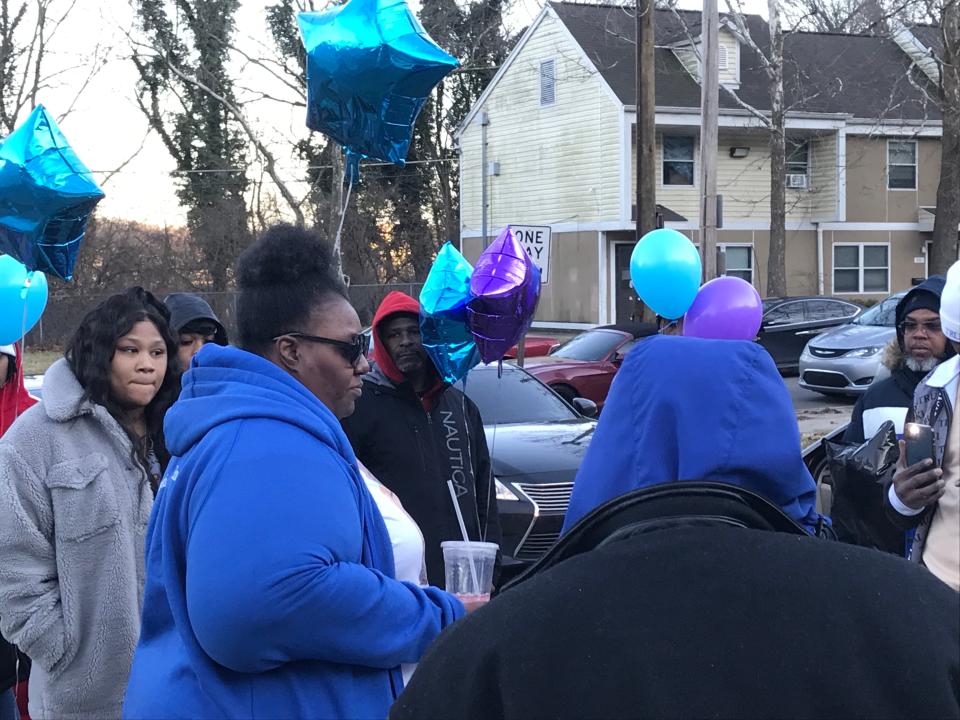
808	400
817	414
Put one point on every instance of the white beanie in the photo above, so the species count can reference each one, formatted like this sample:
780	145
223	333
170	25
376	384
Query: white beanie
950	304
8	350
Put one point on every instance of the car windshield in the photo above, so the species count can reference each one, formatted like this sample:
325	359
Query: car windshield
881	315
590	346
516	397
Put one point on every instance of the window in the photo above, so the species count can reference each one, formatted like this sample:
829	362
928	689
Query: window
861	268
798	157
829	310
514	397
723	62
739	261
677	160
786	314
590	346
902	165
548	82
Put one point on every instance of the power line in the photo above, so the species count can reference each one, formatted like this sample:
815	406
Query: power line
305	167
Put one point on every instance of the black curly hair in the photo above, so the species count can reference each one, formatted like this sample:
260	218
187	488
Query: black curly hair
90	354
282	277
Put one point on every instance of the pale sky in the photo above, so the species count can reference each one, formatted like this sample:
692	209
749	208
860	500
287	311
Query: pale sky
106	127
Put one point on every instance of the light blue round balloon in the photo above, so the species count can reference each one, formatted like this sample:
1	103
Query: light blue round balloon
665	269
23	297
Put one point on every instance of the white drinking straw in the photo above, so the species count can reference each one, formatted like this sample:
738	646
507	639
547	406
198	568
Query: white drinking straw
463	531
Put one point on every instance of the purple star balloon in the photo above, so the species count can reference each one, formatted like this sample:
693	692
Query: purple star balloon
506	289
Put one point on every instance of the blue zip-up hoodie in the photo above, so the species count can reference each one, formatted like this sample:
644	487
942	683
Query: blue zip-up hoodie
269	589
688	409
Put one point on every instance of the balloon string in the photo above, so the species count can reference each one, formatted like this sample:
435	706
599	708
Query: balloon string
473	473
343	214
23	348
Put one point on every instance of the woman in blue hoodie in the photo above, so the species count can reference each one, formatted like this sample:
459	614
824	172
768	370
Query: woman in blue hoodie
270	581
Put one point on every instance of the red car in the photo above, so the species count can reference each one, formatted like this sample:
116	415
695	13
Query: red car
585	365
536	346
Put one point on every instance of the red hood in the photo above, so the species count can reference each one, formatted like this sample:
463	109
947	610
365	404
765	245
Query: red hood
14	398
397	302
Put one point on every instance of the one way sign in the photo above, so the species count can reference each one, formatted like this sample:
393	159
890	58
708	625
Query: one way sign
536	241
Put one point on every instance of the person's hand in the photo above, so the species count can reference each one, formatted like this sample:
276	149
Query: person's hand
919	485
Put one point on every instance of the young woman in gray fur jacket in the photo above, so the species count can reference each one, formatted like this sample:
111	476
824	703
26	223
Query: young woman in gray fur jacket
77	477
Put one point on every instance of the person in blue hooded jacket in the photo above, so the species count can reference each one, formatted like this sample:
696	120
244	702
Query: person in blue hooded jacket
698	599
270	587
666	420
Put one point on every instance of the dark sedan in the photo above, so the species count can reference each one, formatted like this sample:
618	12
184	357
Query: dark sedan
536	441
584	366
790	322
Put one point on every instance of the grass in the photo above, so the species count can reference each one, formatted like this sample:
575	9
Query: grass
36	362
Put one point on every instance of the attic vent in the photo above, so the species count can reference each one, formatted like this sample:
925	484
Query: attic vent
548	82
722	63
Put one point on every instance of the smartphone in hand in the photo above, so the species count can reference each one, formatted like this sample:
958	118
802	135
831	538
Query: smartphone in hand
919	441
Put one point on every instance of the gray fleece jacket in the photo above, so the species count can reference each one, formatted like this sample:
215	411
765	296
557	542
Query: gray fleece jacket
73	515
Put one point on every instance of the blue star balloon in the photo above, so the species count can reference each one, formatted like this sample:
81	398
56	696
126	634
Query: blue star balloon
443	315
370	68
46	197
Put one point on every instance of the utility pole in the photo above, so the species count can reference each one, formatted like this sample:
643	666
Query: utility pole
709	102
484	122
646	120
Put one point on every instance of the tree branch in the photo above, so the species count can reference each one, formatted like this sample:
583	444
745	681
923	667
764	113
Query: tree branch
270	161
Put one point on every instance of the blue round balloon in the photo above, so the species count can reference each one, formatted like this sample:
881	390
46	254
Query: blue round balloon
665	269
23	297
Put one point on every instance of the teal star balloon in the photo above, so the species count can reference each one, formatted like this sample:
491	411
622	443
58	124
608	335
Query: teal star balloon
370	68
46	196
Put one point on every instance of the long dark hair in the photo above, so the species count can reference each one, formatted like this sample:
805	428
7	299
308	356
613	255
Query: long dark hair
90	353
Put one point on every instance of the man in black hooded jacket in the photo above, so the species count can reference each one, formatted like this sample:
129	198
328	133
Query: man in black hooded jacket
857	513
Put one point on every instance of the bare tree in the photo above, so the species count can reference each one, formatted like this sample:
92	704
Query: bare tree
946	250
28	28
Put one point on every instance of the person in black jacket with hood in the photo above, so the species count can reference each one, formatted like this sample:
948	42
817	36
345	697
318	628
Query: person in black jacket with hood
192	318
858	513
691	587
415	432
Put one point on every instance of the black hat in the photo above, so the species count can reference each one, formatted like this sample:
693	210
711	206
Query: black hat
191	313
925	296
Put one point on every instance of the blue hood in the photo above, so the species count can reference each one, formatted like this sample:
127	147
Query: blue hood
688	409
270	587
225	383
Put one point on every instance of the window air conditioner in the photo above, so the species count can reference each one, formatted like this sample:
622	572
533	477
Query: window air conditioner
796	181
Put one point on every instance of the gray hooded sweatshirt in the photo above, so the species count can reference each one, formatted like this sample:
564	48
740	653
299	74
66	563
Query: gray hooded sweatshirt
73	516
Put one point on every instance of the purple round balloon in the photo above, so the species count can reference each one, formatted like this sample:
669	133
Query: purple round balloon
726	308
505	286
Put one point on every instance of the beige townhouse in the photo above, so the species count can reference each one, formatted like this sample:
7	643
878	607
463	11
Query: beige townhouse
862	169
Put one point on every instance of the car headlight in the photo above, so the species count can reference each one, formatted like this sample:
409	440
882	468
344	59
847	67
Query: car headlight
505	493
864	352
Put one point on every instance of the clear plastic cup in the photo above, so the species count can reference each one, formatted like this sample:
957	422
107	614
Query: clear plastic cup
469	569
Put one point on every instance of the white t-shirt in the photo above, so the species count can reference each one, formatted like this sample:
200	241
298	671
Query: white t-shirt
406	538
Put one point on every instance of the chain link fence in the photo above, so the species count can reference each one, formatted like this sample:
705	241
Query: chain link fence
63	315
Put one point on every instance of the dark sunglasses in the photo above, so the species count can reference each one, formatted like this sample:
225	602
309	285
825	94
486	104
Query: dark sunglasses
910	327
351	351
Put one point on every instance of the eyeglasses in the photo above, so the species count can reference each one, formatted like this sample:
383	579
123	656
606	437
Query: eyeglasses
909	327
351	351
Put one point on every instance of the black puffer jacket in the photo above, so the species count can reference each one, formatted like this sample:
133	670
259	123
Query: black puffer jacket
858	513
414	451
701	605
